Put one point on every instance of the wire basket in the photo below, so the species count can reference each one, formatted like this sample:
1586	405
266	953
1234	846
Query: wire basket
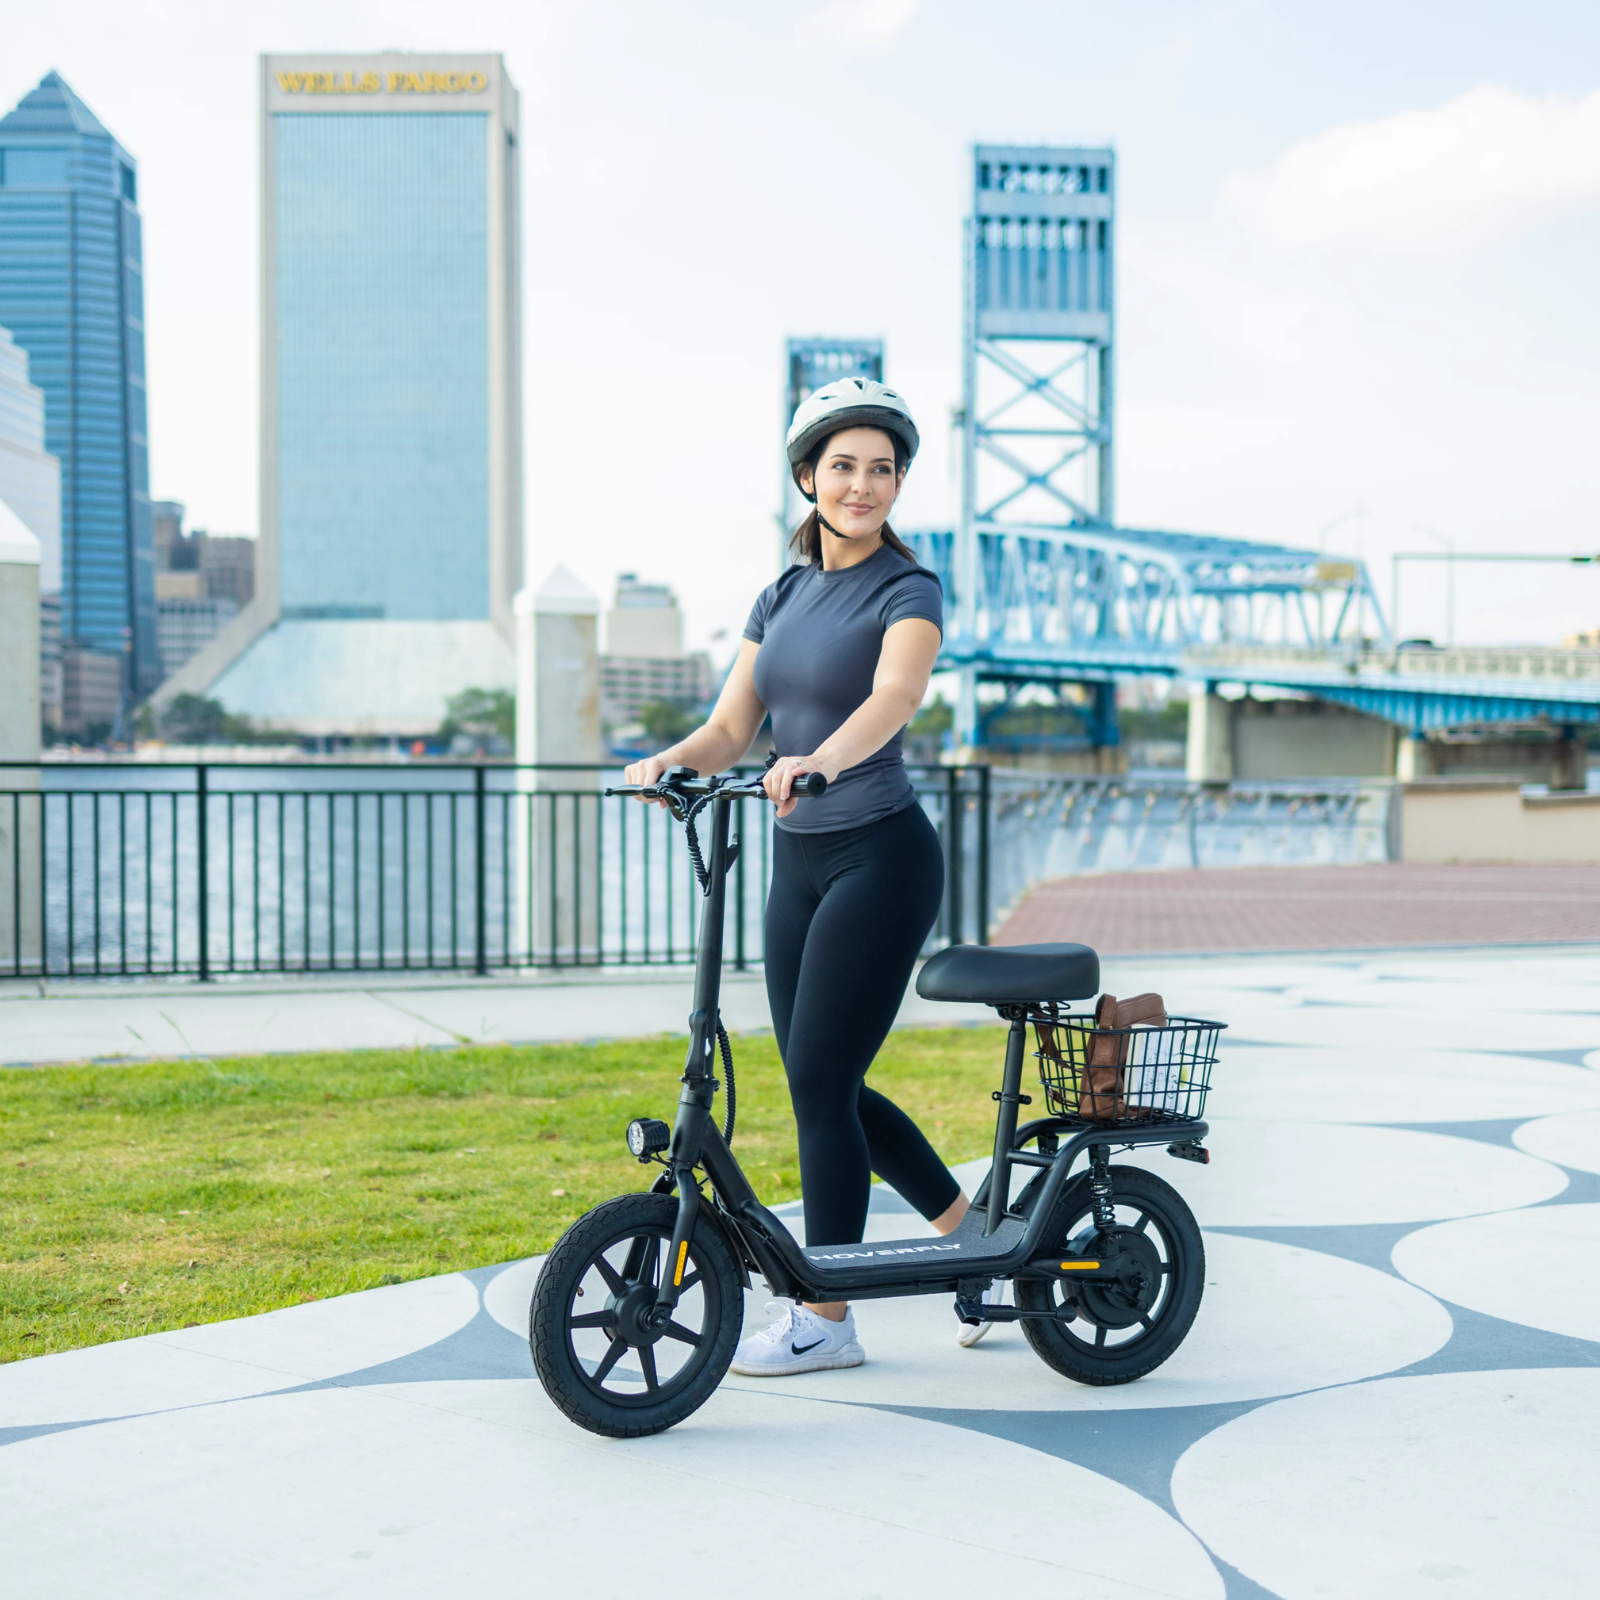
1121	1076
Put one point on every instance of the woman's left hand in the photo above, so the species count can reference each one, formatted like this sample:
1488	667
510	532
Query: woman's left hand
781	775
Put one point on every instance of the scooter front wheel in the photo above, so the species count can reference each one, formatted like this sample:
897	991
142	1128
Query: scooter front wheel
1114	1328
598	1351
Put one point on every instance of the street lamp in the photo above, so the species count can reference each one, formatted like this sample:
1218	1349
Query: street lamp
1452	555
1449	583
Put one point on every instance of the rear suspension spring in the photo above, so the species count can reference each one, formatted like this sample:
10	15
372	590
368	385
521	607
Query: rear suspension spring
1100	1190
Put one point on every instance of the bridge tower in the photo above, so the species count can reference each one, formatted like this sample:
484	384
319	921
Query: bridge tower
811	363
1037	372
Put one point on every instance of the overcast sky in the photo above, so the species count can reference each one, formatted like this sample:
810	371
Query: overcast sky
1356	287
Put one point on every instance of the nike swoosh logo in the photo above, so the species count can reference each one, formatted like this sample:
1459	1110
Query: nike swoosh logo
800	1349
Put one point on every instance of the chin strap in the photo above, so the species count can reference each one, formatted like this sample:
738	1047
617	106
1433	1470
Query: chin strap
831	529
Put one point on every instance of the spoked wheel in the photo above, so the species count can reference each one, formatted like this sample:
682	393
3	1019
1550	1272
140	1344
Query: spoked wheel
598	1352
1120	1326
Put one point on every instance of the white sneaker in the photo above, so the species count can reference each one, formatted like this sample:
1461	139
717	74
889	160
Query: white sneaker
971	1332
799	1341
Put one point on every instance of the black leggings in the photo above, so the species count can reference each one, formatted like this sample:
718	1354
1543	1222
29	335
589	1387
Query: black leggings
846	916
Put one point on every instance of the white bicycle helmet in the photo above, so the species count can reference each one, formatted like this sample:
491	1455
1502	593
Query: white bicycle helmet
848	403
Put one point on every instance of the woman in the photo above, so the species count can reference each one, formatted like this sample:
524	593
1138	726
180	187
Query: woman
839	650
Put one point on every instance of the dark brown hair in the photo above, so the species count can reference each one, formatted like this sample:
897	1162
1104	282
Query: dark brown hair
806	541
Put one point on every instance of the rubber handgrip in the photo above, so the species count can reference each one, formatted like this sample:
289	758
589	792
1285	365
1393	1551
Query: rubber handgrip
813	784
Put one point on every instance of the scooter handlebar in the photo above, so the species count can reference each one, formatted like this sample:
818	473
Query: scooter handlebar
809	784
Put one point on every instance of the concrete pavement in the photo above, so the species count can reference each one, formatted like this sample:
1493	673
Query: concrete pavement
138	1019
1392	1388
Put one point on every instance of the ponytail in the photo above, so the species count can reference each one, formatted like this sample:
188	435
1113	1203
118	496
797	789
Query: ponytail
806	541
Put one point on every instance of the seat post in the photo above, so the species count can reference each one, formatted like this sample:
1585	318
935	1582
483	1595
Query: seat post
1005	1127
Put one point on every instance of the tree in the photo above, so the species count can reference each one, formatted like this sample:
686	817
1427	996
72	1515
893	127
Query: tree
664	722
933	721
480	714
193	719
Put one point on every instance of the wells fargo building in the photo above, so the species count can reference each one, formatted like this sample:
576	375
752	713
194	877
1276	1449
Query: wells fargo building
391	514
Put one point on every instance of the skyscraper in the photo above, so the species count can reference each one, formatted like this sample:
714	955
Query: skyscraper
391	486
72	294
30	477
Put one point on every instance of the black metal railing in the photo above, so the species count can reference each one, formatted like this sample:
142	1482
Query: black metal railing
126	868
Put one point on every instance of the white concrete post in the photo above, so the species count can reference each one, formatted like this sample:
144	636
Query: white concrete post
19	741
558	720
1210	749
1411	758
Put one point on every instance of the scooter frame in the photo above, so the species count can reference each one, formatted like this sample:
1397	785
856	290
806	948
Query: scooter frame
996	1238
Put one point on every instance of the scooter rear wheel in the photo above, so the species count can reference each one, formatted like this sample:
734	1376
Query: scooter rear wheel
1116	1330
596	1354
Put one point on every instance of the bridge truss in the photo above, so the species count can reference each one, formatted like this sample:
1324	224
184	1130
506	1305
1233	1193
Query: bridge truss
1051	605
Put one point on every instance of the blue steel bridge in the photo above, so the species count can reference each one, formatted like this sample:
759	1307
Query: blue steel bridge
1088	605
1043	586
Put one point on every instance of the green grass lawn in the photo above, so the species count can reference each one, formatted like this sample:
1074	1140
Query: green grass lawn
139	1198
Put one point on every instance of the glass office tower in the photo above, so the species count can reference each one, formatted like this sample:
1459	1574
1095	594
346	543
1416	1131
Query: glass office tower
391	481
72	294
391	485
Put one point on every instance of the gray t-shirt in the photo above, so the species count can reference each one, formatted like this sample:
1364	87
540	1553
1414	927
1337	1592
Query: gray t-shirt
821	634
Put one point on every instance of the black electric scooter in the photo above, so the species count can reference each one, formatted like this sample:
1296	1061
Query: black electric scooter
639	1305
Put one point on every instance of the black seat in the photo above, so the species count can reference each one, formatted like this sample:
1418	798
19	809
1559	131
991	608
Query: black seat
1013	975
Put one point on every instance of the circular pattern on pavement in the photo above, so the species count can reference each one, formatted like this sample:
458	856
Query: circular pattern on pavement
1320	1174
226	1360
1424	1085
1570	1140
1307	1174
1538	1268
1478	1485
321	1493
1274	1320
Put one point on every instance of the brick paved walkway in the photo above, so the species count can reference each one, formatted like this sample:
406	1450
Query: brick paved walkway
1312	908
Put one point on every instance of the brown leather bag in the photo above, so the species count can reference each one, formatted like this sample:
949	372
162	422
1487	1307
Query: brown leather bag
1105	1095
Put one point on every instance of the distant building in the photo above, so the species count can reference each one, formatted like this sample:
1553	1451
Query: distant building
30	485
202	583
30	477
629	683
91	693
166	531
643	659
391	483
644	620
227	567
184	627
50	663
72	294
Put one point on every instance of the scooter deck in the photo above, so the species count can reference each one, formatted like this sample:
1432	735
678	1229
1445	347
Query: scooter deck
966	1248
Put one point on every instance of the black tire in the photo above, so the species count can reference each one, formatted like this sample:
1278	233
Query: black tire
614	1249
1122	1329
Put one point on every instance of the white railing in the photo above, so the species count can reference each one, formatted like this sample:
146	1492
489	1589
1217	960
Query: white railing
1046	826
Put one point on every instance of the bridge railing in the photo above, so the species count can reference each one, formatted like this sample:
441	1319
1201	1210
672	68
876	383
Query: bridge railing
1456	661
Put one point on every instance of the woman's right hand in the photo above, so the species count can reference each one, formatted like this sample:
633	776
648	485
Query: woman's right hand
644	773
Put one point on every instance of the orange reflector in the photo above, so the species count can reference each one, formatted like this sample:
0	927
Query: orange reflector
1080	1266
683	1251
